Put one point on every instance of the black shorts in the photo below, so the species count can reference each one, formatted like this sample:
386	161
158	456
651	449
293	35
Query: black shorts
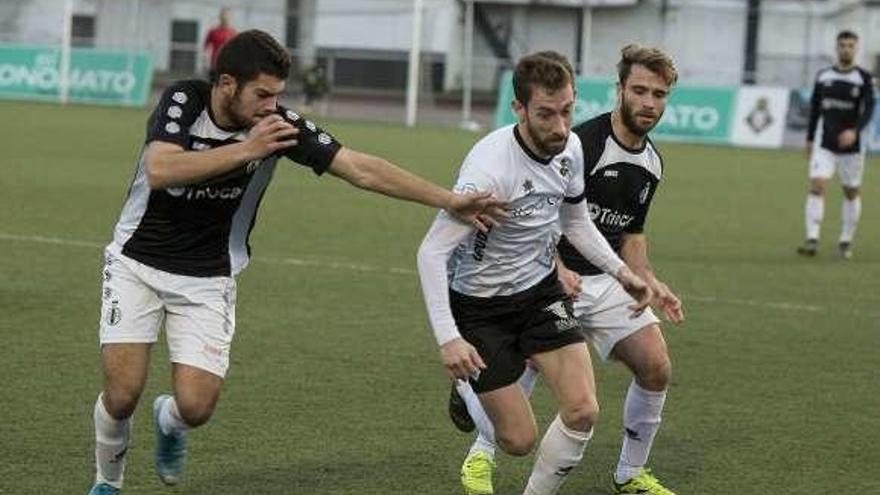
506	330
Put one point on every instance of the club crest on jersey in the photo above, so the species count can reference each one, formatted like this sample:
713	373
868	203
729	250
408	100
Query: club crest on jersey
564	166
643	196
528	187
855	92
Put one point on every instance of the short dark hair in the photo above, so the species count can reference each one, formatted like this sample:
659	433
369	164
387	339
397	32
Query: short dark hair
249	54
653	59
547	69
846	34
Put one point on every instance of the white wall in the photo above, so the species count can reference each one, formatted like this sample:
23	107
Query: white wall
383	25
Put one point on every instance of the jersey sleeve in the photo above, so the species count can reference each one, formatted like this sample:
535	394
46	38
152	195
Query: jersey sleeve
867	107
315	149
473	176
179	107
637	226
815	110
574	192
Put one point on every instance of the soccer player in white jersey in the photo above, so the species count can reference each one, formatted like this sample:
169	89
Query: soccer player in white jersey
840	109
621	174
500	302
209	154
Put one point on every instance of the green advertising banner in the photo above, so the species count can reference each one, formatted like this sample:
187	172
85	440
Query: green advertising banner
701	114
112	78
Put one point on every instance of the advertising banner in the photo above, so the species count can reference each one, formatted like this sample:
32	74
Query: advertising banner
112	78
759	120
694	114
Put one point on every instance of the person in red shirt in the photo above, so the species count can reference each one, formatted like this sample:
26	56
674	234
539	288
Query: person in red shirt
217	37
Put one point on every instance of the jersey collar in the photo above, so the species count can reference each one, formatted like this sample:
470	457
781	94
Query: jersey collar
525	148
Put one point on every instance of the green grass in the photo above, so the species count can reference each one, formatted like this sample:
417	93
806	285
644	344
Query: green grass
335	385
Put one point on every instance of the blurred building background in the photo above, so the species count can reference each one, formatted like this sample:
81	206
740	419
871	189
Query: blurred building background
363	45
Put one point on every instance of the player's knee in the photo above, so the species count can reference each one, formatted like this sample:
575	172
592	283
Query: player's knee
851	193
120	402
195	412
582	415
656	374
817	189
518	443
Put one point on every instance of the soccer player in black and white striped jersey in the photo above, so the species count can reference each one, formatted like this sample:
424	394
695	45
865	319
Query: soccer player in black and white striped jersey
182	237
841	108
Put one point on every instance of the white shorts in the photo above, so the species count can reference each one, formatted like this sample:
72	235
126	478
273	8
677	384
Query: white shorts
603	313
199	312
849	166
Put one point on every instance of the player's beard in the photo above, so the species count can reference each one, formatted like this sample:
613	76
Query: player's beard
630	119
552	145
231	107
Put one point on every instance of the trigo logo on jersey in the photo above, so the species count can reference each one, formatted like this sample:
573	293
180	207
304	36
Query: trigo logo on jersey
207	192
608	217
564	166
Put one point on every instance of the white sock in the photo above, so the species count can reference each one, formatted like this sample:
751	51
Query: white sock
641	419
169	418
111	445
851	211
485	441
814	212
560	451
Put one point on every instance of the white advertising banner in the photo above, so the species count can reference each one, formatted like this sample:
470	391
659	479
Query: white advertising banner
759	120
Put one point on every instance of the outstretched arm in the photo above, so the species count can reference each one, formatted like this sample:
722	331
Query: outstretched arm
376	174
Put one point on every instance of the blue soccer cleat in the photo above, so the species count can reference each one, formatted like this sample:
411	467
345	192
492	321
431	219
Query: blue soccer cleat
104	489
170	449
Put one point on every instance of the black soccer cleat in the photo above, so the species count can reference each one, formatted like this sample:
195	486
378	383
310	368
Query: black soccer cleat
458	412
810	248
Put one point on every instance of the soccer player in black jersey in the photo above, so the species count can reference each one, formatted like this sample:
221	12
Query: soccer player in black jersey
622	169
841	108
210	152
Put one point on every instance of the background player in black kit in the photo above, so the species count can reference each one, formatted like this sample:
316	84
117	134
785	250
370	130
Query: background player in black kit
622	170
182	236
841	108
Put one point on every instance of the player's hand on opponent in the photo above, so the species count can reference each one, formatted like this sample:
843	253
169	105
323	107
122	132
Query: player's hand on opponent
847	138
635	287
667	302
570	280
480	209
270	134
461	359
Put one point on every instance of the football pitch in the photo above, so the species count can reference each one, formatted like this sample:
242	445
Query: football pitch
335	385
